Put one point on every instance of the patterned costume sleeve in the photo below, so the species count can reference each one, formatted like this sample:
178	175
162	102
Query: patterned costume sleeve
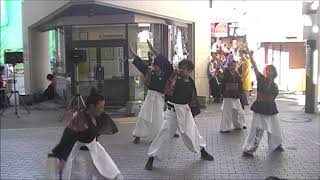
78	123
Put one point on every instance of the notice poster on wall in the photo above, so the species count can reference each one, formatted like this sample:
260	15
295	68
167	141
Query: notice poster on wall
219	29
227	29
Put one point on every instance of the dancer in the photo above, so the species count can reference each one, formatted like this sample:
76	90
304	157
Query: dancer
151	115
265	116
232	111
181	95
86	158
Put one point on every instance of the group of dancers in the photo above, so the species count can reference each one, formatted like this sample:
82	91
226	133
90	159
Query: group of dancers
170	106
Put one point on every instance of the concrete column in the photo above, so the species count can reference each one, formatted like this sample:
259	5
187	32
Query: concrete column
201	54
317	105
38	60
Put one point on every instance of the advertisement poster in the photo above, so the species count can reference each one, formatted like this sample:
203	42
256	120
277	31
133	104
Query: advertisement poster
226	29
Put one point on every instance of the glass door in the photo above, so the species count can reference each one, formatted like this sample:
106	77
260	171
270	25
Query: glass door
104	69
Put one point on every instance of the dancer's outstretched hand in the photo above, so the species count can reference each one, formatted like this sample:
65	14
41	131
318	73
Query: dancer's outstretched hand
149	44
152	48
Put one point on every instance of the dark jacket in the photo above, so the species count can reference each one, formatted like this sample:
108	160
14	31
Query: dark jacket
231	85
267	93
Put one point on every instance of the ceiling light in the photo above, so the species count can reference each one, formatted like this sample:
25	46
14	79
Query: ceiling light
315	5
315	29
307	21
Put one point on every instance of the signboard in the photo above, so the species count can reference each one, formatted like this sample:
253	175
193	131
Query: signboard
226	29
219	29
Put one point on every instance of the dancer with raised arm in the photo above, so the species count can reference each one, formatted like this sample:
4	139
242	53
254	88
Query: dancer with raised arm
151	115
265	116
181	96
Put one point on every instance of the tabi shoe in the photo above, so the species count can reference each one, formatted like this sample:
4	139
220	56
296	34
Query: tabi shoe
279	148
149	164
247	154
176	135
225	131
136	140
205	155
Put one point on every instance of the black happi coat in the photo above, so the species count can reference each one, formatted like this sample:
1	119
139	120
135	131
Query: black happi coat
267	92
72	134
180	92
231	85
153	81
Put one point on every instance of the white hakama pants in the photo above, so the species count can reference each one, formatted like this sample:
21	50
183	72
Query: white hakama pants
92	164
259	124
179	117
150	117
232	114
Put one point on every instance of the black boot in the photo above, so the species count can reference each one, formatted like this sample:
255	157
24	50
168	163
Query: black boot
279	148
205	155
176	135
247	154
149	164
225	131
136	140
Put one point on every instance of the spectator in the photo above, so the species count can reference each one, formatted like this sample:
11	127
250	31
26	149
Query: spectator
48	93
246	75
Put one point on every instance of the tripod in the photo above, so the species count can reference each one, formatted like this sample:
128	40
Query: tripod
16	95
76	103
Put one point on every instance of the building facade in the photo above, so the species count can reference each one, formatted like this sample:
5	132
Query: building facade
104	30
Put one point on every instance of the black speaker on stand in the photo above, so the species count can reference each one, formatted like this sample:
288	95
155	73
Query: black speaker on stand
14	58
77	56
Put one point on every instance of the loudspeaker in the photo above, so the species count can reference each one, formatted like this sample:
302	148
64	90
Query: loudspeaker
13	57
77	56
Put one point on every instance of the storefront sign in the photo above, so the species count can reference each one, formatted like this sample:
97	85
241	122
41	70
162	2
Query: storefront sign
224	29
219	29
103	36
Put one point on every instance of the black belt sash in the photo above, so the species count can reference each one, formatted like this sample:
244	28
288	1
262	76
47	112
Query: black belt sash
171	107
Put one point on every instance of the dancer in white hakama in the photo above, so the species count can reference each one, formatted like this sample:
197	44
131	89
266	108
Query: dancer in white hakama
265	117
86	158
232	111
181	107
151	115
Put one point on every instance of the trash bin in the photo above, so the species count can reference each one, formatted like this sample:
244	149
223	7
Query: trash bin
202	101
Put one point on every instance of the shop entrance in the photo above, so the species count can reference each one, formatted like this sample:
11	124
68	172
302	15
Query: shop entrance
104	69
104	34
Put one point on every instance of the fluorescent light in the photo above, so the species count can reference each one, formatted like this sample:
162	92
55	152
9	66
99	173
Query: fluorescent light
143	25
315	5
315	29
307	21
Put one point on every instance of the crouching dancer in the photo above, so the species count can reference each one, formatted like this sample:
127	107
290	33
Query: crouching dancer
86	158
265	116
181	95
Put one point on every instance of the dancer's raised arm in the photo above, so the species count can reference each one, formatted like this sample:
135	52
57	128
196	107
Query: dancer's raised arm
152	48
132	50
254	64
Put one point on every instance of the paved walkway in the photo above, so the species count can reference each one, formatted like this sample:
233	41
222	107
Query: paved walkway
25	143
